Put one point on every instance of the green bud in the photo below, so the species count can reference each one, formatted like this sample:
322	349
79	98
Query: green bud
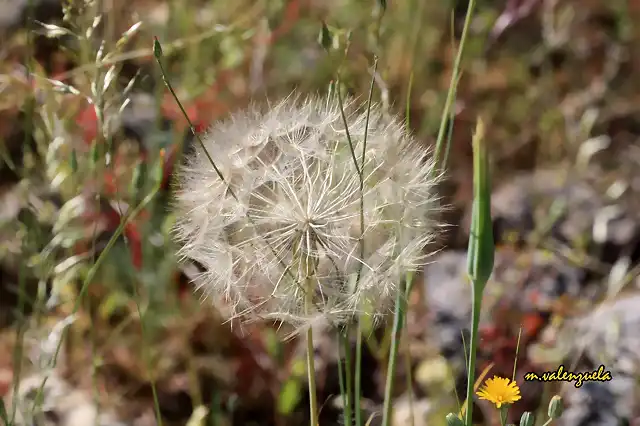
157	48
94	155
453	420
158	172
481	245
74	161
527	419
555	407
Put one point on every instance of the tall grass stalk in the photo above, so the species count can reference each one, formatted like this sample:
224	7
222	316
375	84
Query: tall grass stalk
480	255
22	291
360	172
98	149
344	376
358	378
401	305
455	77
398	322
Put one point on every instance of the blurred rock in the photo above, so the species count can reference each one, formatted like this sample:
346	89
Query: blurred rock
518	302
14	13
569	208
600	403
609	335
61	405
370	412
140	122
402	410
434	374
520	205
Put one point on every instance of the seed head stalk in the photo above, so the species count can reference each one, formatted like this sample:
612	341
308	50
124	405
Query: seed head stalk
401	301
358	378
308	267
311	370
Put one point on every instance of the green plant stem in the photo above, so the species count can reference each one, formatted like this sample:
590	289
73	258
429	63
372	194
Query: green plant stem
130	215
504	411
398	323
473	345
311	369
146	347
348	399
358	378
407	364
342	378
455	75
407	360
18	350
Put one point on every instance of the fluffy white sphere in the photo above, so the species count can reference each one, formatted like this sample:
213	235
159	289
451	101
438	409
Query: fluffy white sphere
286	220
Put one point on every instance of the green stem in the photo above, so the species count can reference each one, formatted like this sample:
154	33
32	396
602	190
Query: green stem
455	75
504	411
398	322
358	378
473	344
344	376
348	375
311	370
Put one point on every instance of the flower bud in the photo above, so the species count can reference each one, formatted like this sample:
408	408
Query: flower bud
555	407
453	420
527	419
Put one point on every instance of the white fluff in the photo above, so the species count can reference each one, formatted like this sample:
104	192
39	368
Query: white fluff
294	224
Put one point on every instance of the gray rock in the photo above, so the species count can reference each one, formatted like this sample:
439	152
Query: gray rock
59	404
609	335
599	403
14	13
526	282
570	208
606	336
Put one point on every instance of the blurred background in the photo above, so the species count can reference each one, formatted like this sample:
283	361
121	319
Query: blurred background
88	130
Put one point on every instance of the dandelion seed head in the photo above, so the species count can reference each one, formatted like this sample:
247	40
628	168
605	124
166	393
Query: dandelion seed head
286	220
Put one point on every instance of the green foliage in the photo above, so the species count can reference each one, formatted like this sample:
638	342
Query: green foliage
481	245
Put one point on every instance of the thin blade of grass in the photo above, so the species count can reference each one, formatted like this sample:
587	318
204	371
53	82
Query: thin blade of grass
398	323
453	82
480	255
476	385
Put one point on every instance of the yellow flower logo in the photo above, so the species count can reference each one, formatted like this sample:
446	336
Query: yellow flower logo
500	391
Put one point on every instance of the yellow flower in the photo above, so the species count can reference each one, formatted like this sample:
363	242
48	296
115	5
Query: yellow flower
500	390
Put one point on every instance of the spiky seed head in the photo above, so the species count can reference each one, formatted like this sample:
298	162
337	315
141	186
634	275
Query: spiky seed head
284	227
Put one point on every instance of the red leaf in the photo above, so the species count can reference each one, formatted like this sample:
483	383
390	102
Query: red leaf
135	244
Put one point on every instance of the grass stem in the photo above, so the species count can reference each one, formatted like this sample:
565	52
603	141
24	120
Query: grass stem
473	346
398	323
311	370
455	76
